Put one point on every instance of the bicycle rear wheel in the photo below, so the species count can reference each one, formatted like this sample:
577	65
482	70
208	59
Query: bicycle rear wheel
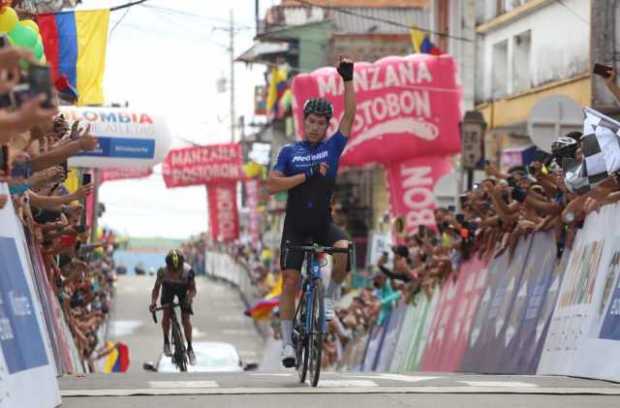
301	343
315	335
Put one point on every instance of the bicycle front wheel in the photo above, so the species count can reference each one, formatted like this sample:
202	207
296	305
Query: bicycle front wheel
301	343
180	357
315	335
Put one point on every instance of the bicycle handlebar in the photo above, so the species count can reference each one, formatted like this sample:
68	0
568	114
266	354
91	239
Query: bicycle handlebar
318	249
162	307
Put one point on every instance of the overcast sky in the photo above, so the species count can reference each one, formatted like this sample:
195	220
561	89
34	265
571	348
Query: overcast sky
166	56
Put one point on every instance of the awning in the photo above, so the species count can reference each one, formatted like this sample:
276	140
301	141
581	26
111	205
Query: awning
262	52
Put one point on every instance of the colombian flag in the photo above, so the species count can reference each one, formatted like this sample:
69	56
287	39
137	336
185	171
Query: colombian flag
117	361
262	309
421	43
75	47
277	86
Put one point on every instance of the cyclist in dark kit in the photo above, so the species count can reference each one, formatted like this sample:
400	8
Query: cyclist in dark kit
176	280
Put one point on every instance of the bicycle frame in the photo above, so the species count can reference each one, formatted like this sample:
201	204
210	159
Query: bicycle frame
313	273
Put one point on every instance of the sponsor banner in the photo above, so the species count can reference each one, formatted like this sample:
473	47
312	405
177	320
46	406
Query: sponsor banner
531	312
399	358
124	174
127	139
223	214
392	332
502	301
425	310
406	107
25	352
375	341
580	340
411	185
454	318
203	165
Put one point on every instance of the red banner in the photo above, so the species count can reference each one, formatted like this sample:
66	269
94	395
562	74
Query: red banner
251	189
411	185
124	174
223	215
203	165
406	107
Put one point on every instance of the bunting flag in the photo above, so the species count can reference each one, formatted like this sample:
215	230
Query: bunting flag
75	47
421	42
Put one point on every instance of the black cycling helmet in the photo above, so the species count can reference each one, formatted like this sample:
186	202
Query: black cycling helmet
174	259
318	106
564	147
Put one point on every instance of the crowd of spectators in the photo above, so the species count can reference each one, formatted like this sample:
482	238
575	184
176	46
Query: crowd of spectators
36	141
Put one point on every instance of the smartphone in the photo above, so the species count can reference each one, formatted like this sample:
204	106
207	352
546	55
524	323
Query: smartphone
4	160
40	79
4	41
86	179
65	168
602	70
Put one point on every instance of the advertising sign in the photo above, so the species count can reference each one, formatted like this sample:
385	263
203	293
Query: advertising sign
411	185
203	165
126	138
406	107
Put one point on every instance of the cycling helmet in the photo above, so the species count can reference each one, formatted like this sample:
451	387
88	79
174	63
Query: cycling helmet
174	259
564	147
318	106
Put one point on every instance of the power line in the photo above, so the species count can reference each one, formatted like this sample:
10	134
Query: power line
381	20
120	20
127	5
199	16
573	12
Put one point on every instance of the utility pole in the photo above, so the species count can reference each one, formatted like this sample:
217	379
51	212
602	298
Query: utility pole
256	16
232	77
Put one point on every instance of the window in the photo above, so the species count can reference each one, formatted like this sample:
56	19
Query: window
500	69
522	45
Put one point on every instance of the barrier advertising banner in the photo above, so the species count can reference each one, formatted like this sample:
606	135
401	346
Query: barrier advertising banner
454	317
203	165
487	337
532	307
223	215
25	352
406	107
423	316
392	332
411	185
582	338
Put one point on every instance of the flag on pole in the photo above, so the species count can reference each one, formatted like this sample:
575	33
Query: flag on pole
75	47
421	42
600	145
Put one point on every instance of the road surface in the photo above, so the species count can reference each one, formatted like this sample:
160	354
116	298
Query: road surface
219	318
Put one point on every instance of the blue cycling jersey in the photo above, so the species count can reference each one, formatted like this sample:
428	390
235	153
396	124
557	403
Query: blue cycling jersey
308	203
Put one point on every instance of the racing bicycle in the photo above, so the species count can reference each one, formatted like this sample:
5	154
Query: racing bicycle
309	324
179	357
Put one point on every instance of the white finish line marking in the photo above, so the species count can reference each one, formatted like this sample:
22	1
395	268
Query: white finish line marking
172	385
398	377
346	390
346	383
497	384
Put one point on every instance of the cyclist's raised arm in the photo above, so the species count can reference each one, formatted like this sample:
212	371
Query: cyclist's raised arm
345	69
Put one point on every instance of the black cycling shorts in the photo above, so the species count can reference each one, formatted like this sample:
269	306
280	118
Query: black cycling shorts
170	290
295	259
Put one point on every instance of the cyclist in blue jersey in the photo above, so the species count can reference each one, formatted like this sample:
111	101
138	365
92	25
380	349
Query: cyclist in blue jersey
307	170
